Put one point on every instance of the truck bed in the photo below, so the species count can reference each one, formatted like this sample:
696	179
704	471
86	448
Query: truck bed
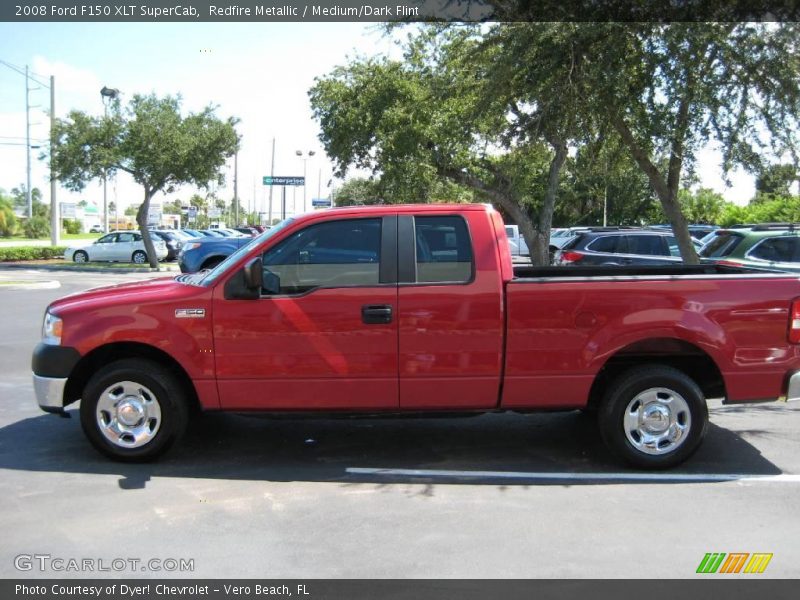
565	324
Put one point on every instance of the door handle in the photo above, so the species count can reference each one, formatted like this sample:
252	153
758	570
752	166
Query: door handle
376	314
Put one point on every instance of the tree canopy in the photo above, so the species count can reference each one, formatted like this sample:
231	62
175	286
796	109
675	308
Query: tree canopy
502	108
151	141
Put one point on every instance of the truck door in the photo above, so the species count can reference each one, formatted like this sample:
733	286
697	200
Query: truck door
323	334
450	302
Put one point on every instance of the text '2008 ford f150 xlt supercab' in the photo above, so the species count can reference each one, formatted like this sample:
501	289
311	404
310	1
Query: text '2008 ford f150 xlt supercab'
413	309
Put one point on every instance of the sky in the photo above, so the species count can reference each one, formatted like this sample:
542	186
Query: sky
258	72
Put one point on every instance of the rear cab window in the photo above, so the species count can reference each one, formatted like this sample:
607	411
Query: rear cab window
443	250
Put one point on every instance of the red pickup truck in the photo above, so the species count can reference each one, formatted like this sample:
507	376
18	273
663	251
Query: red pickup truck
413	309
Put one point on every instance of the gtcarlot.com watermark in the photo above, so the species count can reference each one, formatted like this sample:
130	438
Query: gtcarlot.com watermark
45	563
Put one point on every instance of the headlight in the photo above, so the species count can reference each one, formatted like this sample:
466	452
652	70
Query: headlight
51	329
191	246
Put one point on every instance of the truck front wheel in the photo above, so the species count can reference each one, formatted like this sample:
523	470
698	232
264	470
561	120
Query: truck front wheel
653	417
133	410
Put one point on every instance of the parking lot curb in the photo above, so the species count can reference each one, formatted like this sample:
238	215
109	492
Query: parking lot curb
29	285
70	268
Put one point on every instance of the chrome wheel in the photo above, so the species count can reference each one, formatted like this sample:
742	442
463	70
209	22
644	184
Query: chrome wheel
657	421
139	258
128	414
79	257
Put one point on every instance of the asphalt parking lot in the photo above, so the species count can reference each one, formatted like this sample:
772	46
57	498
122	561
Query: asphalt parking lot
494	496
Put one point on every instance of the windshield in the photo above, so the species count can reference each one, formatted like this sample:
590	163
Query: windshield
212	275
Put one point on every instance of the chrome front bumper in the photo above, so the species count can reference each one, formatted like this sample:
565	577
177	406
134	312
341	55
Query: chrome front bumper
793	391
50	392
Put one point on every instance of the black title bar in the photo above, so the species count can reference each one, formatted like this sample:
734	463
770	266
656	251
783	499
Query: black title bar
416	589
399	10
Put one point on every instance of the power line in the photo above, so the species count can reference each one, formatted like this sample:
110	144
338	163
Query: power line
21	71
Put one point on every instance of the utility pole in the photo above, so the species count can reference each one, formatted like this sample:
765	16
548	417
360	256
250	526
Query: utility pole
110	94
28	194
271	174
55	221
236	184
28	76
304	156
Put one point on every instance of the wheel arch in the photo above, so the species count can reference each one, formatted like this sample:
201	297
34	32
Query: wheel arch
212	260
679	354
108	353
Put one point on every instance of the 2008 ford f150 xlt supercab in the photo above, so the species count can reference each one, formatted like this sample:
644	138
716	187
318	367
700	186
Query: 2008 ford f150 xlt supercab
408	309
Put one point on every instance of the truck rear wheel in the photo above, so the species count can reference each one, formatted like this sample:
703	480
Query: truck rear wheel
653	417
133	410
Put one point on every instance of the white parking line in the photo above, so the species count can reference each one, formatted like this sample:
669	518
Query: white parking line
656	477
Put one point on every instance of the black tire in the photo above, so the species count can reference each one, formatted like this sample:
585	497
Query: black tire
154	382
684	401
139	257
79	256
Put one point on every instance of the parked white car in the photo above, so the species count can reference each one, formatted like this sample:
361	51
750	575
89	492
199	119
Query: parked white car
517	242
118	246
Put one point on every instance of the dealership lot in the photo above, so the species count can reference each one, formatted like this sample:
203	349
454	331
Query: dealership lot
492	496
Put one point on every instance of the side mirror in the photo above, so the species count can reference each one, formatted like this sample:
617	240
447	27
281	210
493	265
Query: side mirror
254	274
272	283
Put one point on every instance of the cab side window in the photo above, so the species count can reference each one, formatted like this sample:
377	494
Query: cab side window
332	254
443	250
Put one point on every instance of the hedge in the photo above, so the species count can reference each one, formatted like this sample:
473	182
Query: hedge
31	253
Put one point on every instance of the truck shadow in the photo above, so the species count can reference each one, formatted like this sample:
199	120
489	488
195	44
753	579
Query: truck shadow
239	447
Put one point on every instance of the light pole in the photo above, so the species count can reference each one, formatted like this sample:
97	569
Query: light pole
305	156
54	220
111	94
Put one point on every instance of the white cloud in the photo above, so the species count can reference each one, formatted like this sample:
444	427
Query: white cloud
69	78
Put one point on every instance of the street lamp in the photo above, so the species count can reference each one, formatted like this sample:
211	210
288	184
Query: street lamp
305	157
110	94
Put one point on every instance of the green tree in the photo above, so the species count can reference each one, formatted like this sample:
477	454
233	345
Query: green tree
438	116
8	221
733	214
669	90
173	208
236	209
73	226
603	186
20	197
357	191
702	206
37	227
151	141
779	209
481	99
132	210
201	204
774	180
